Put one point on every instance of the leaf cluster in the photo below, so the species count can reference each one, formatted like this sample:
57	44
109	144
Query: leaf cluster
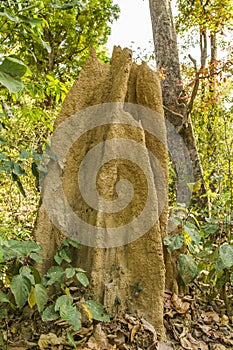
22	284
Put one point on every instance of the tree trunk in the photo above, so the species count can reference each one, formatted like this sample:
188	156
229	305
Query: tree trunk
167	59
181	140
129	275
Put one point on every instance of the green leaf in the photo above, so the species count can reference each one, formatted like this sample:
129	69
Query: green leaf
24	154
36	257
32	21
70	271
67	6
192	232
13	66
20	287
55	274
209	229
82	278
226	255
97	311
13	84
62	254
41	296
27	272
72	242
2	142
70	314
4	298
18	170
11	18
63	300
173	242
71	339
49	314
187	268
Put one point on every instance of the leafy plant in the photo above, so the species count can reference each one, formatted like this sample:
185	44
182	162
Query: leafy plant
22	284
209	253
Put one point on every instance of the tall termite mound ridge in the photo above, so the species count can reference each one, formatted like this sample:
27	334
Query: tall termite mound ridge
130	277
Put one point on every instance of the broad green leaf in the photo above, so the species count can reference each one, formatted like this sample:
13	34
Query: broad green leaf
82	278
226	255
36	257
173	242
49	314
11	18
55	274
20	287
24	154
41	296
70	314
187	268
32	21
27	272
13	66
72	242
70	272
36	274
62	254
18	170
97	311
63	300
192	232
2	142
209	229
13	84
4	298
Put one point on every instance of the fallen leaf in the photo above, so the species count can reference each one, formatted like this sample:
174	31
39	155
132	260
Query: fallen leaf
150	328
218	347
134	331
164	346
46	340
210	317
181	306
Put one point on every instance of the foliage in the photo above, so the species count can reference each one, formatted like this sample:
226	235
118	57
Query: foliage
43	47
22	284
209	252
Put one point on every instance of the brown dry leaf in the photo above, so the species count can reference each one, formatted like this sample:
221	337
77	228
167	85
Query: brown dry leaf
164	346
48	340
205	329
99	341
150	328
224	321
119	338
218	347
134	331
181	306
210	317
186	344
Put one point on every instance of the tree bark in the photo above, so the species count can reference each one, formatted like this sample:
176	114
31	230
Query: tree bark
176	111
181	140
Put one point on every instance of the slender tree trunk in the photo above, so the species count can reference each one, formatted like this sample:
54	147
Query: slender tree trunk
167	58
180	134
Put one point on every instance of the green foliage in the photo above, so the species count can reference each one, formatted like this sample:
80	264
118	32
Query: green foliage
44	44
21	280
209	252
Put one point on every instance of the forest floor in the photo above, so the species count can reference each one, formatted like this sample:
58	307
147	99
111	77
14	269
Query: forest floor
191	323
